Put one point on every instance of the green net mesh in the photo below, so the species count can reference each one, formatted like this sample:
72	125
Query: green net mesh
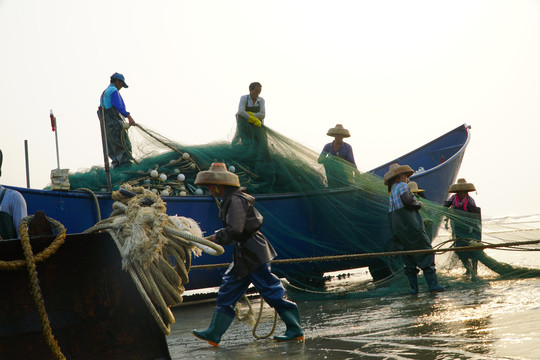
355	219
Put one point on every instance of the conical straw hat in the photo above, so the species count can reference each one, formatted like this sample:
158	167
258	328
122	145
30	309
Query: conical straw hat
217	175
338	130
414	187
461	185
395	170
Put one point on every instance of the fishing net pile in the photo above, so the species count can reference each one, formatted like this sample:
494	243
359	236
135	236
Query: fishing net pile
346	205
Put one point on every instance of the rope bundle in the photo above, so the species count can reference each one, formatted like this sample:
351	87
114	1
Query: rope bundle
156	248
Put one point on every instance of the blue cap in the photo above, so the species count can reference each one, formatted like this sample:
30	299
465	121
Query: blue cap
119	77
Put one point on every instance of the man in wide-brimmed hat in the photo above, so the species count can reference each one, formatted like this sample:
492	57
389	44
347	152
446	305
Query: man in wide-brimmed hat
413	187
251	261
429	227
12	210
338	158
408	229
467	227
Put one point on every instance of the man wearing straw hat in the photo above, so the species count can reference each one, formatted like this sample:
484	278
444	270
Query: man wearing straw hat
465	229
12	210
338	158
251	260
428	223
408	229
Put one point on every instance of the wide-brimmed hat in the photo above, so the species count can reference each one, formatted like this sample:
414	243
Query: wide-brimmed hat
461	185
217	175
120	77
395	170
413	187
338	130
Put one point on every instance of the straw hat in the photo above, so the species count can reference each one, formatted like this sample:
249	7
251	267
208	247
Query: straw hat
395	170
217	175
338	130
414	187
461	185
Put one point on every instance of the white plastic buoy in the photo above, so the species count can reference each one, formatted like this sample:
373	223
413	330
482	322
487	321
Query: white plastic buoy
182	187
165	192
183	193
232	168
199	191
163	177
181	177
185	156
147	181
154	173
192	165
154	190
176	171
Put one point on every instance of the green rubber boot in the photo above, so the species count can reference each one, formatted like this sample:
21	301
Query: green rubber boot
220	323
291	318
431	280
413	282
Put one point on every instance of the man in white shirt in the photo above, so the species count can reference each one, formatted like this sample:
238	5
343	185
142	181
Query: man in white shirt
250	117
12	210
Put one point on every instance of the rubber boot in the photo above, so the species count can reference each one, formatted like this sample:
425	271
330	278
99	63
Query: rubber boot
413	281
291	318
220	323
431	279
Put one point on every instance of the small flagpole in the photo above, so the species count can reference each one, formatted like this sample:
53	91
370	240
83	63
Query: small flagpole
55	130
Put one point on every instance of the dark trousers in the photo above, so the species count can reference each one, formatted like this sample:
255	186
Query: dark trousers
268	285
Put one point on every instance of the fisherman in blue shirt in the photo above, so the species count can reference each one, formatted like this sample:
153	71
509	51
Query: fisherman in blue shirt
113	110
338	158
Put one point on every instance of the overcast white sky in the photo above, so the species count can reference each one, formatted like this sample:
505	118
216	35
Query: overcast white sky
397	74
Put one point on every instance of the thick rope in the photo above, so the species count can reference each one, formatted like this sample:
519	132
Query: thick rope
148	239
379	254
250	318
43	255
34	281
95	199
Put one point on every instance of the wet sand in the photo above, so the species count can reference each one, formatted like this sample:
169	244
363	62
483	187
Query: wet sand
488	319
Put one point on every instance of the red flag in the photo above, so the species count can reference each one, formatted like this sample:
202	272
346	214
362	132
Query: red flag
53	122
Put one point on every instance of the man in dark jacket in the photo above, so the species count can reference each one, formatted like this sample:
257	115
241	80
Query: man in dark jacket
251	261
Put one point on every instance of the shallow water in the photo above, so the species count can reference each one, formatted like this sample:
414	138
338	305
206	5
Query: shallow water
487	319
492	318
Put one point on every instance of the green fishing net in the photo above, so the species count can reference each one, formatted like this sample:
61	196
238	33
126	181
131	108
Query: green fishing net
346	208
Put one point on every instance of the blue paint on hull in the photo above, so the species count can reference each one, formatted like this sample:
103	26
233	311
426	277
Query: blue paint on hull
441	159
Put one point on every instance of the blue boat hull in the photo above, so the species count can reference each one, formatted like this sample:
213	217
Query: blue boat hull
313	234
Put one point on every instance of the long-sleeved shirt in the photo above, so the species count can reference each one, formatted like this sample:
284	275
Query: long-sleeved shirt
241	223
111	98
246	101
345	151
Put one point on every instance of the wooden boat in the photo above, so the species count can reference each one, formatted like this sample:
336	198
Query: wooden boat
94	309
437	164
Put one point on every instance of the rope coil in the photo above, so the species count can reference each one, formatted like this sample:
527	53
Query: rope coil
30	263
155	248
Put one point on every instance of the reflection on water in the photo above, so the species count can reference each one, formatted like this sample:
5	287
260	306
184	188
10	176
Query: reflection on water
493	318
490	319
